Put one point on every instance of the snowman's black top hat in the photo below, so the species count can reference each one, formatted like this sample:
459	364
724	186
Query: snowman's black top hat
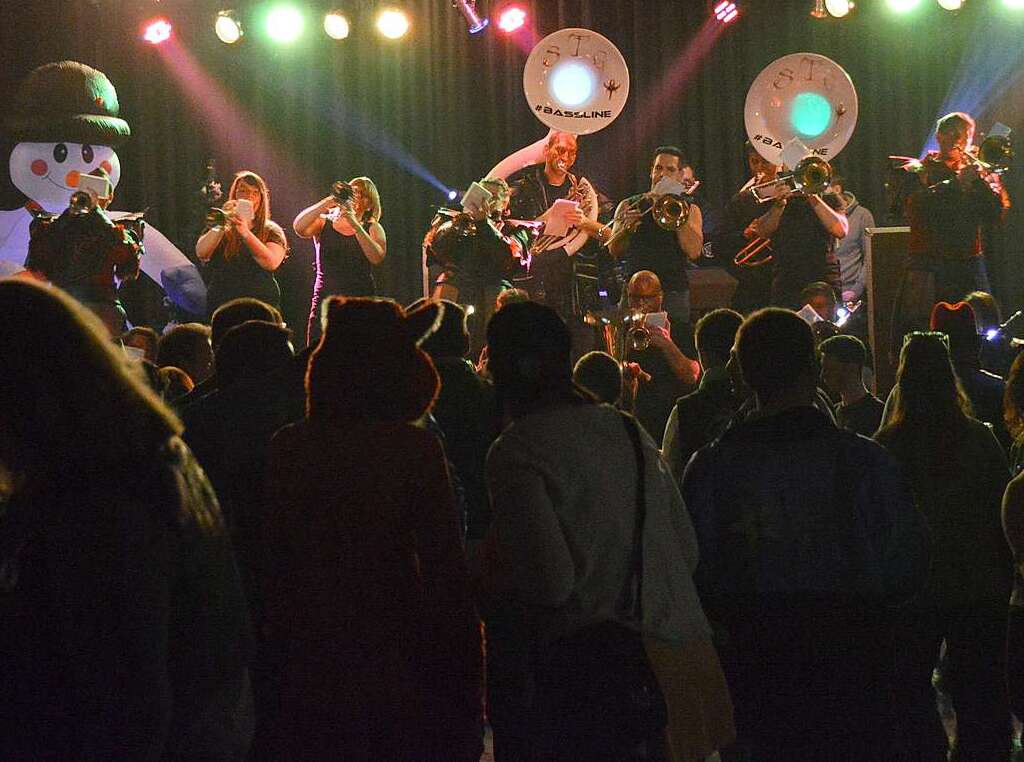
69	102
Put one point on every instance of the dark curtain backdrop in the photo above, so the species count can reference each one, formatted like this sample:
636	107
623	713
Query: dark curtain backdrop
442	104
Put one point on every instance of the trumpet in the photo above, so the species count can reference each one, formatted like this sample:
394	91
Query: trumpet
637	333
342	192
810	176
216	218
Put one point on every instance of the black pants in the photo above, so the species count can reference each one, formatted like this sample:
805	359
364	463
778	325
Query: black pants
809	685
975	646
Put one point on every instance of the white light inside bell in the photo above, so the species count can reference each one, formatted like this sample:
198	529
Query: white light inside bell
838	8
951	5
572	84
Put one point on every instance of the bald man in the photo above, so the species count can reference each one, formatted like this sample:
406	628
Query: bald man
673	374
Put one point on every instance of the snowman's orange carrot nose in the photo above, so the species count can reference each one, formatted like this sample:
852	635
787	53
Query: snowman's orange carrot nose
71	178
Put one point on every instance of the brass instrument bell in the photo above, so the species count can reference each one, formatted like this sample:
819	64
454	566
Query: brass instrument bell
216	218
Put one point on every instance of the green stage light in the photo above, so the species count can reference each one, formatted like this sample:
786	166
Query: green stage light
285	23
1017	5
810	114
903	6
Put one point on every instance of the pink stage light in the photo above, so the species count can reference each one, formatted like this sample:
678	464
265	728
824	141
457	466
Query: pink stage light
726	12
157	31
512	19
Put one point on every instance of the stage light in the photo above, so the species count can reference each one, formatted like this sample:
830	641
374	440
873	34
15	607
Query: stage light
511	19
392	23
810	114
452	195
572	84
227	28
726	12
285	24
157	31
903	6
336	25
951	5
838	8
467	8
1016	5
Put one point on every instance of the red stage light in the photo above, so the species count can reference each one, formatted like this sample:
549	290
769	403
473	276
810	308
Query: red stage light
157	31
512	19
726	12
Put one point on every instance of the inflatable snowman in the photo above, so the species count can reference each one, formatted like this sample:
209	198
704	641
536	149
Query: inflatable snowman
64	124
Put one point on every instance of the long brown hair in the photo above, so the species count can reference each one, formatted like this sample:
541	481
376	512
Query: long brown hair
1013	399
928	396
233	241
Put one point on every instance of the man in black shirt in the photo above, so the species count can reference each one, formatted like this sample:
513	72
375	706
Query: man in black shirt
842	373
638	240
672	373
535	189
803	230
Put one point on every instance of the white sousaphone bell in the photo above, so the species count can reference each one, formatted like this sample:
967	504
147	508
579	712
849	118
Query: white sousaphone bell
575	80
800	112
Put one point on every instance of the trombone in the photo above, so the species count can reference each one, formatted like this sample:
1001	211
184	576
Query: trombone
669	211
810	176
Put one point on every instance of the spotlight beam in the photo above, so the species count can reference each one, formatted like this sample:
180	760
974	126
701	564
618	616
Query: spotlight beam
244	144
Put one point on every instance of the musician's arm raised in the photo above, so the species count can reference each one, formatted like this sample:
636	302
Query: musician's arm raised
833	220
691	235
623	227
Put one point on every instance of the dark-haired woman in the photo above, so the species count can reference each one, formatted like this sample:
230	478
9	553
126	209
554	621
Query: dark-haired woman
349	243
957	472
124	625
241	256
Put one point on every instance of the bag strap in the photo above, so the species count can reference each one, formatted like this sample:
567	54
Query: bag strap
637	570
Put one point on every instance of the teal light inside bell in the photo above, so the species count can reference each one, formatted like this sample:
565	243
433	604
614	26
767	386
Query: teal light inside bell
810	114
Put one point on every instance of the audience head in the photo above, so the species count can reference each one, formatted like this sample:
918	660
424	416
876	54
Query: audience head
187	346
821	297
1013	398
842	362
529	354
144	338
251	349
238	311
775	351
643	292
927	389
174	383
451	339
369	365
82	405
715	335
510	296
957	321
600	374
986	311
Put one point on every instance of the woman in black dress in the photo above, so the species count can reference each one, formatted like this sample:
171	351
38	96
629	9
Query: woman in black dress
241	256
349	241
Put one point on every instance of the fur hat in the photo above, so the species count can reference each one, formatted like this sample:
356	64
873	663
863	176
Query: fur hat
958	322
66	101
369	365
